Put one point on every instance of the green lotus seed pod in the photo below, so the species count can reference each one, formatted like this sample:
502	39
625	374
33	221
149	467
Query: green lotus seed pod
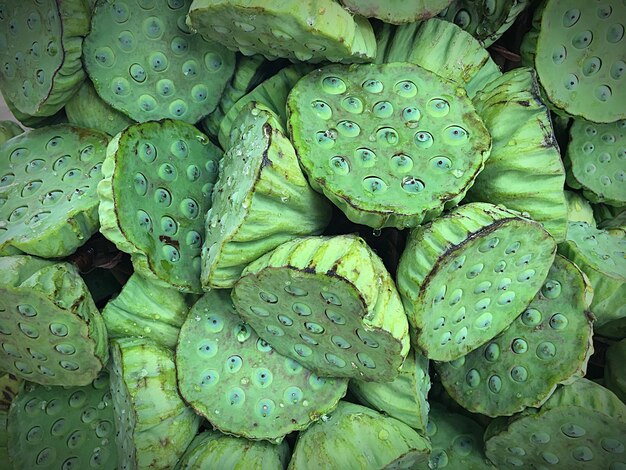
240	383
354	436
51	331
405	397
145	62
48	180
614	377
615	329
466	276
595	161
600	255
303	30
548	344
146	309
524	171
63	427
36	122
578	208
154	426
158	178
259	177
391	145
40	53
9	386
9	129
396	11
330	304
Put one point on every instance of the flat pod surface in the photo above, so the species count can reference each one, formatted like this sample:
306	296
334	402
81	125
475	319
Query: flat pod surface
145	62
597	250
239	382
48	181
390	144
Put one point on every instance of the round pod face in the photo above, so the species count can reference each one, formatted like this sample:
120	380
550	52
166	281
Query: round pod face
391	144
48	181
239	382
145	62
60	427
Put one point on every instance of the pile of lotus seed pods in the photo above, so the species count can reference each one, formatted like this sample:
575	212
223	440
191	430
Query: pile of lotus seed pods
313	234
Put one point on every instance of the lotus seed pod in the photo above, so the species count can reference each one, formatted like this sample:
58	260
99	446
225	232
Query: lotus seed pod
9	386
578	208
146	309
52	333
158	178
548	344
154	426
609	217
578	50
614	377
36	122
240	383
405	398
595	161
40	53
396	11
615	329
524	171
354	436
9	129
306	30
391	145
63	427
48	180
466	276
259	177
87	109
145	62
212	449
600	255
330	304
581	426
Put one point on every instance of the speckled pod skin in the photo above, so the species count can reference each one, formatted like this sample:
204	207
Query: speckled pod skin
396	11
578	208
9	129
614	377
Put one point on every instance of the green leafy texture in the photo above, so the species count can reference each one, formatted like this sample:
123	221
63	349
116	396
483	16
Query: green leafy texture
391	145
578	208
51	332
147	310
524	171
40	53
600	255
87	109
486	20
212	449
145	62
615	329
239	383
154	426
303	30
596	161
259	177
577	49
614	378
466	276
9	129
158	178
36	122
355	437
4	438
48	181
581	426
405	398
63	427
396	11
609	217
548	344
330	304
9	386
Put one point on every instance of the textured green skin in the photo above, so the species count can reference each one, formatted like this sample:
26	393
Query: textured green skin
615	329
50	70
600	255
510	372
144	61
304	30
212	449
355	437
614	378
145	309
329	152
595	161
63	427
9	129
405	397
440	263
212	337
578	208
259	178
66	326
4	438
154	426
396	11
36	122
361	308
524	149
166	253
48	200
609	217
